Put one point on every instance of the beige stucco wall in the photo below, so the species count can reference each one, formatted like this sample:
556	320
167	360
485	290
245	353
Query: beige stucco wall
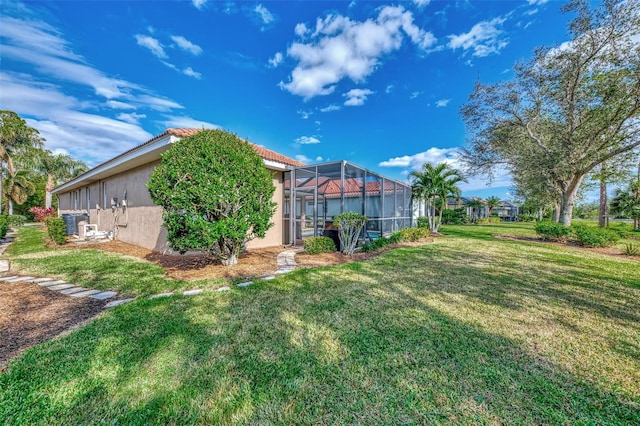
140	221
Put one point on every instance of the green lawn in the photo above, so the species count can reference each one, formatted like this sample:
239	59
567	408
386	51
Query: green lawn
469	330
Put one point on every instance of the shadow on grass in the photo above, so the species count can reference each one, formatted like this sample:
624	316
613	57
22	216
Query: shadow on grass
318	346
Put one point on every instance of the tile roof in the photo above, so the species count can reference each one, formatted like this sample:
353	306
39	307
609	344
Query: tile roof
265	153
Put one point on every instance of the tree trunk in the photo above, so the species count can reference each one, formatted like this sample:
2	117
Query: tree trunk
602	216
10	207
48	188
568	200
230	261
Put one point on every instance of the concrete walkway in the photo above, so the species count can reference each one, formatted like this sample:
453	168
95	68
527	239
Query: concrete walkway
285	260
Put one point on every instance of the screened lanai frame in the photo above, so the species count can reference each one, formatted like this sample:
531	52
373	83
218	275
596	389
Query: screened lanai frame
315	194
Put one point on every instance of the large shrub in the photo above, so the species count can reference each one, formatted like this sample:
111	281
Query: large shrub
349	226
40	214
56	229
315	245
590	236
414	234
16	219
552	231
454	217
491	220
4	225
216	194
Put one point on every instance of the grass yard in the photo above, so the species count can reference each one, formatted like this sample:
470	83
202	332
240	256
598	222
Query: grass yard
471	329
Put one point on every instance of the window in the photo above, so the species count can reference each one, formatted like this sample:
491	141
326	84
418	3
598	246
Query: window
104	195
76	195
87	193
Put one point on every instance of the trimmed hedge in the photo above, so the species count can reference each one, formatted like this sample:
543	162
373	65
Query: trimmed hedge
589	236
423	222
56	229
315	245
4	225
552	231
414	234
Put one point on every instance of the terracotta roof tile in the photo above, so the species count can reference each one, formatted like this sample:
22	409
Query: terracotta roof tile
265	153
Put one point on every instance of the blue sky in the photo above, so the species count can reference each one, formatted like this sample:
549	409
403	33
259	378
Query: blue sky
377	83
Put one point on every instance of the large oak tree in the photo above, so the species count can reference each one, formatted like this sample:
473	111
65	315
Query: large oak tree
567	110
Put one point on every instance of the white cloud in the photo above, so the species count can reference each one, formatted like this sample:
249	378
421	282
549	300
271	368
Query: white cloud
330	108
199	4
191	73
187	123
305	114
276	60
539	2
307	140
264	15
389	88
186	45
319	158
301	30
132	117
152	44
442	103
415	95
357	97
341	48
485	38
421	3
119	105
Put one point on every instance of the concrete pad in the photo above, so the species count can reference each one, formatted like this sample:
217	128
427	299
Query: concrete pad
40	280
268	277
19	279
8	278
60	287
103	295
245	284
4	265
192	292
73	290
225	288
117	303
155	296
84	293
48	283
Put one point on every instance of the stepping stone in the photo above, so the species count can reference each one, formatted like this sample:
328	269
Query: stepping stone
48	283
285	269
73	290
8	278
155	296
103	295
84	293
117	303
192	292
245	284
4	265
40	280
19	279
269	277
60	287
225	288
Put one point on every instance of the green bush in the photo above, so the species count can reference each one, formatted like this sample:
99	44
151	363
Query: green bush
16	219
414	234
315	245
488	220
622	229
349	226
56	229
523	217
216	194
4	225
454	217
589	236
552	231
423	222
631	250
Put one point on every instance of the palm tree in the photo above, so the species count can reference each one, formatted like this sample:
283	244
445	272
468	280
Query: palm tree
492	203
433	185
15	136
628	203
475	205
57	168
17	187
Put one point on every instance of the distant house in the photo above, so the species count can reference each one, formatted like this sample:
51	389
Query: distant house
466	203
507	211
114	196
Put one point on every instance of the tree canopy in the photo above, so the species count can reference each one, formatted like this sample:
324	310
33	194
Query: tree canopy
568	110
216	194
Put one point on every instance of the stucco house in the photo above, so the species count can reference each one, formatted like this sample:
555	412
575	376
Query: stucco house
113	196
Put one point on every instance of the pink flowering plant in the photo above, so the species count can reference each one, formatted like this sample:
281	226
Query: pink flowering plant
41	214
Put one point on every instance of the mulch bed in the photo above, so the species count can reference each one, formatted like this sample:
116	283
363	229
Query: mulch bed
32	314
